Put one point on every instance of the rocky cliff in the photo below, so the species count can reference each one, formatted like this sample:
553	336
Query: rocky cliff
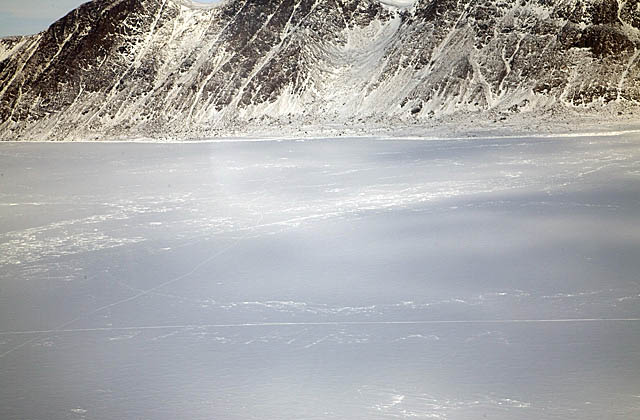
118	68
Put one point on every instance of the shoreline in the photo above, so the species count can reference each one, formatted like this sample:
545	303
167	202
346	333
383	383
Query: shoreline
457	126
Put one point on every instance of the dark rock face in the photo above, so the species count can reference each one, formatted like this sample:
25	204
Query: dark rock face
156	67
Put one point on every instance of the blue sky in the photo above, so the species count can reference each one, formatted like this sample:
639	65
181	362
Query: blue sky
21	17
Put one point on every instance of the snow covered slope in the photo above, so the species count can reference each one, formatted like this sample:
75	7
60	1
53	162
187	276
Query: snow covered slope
116	68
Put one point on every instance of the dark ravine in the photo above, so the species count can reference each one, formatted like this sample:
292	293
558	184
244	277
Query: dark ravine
129	68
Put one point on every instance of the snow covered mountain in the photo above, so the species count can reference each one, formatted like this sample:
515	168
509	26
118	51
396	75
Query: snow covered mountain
120	68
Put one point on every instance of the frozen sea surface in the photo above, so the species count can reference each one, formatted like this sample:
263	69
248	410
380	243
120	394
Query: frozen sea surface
321	279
